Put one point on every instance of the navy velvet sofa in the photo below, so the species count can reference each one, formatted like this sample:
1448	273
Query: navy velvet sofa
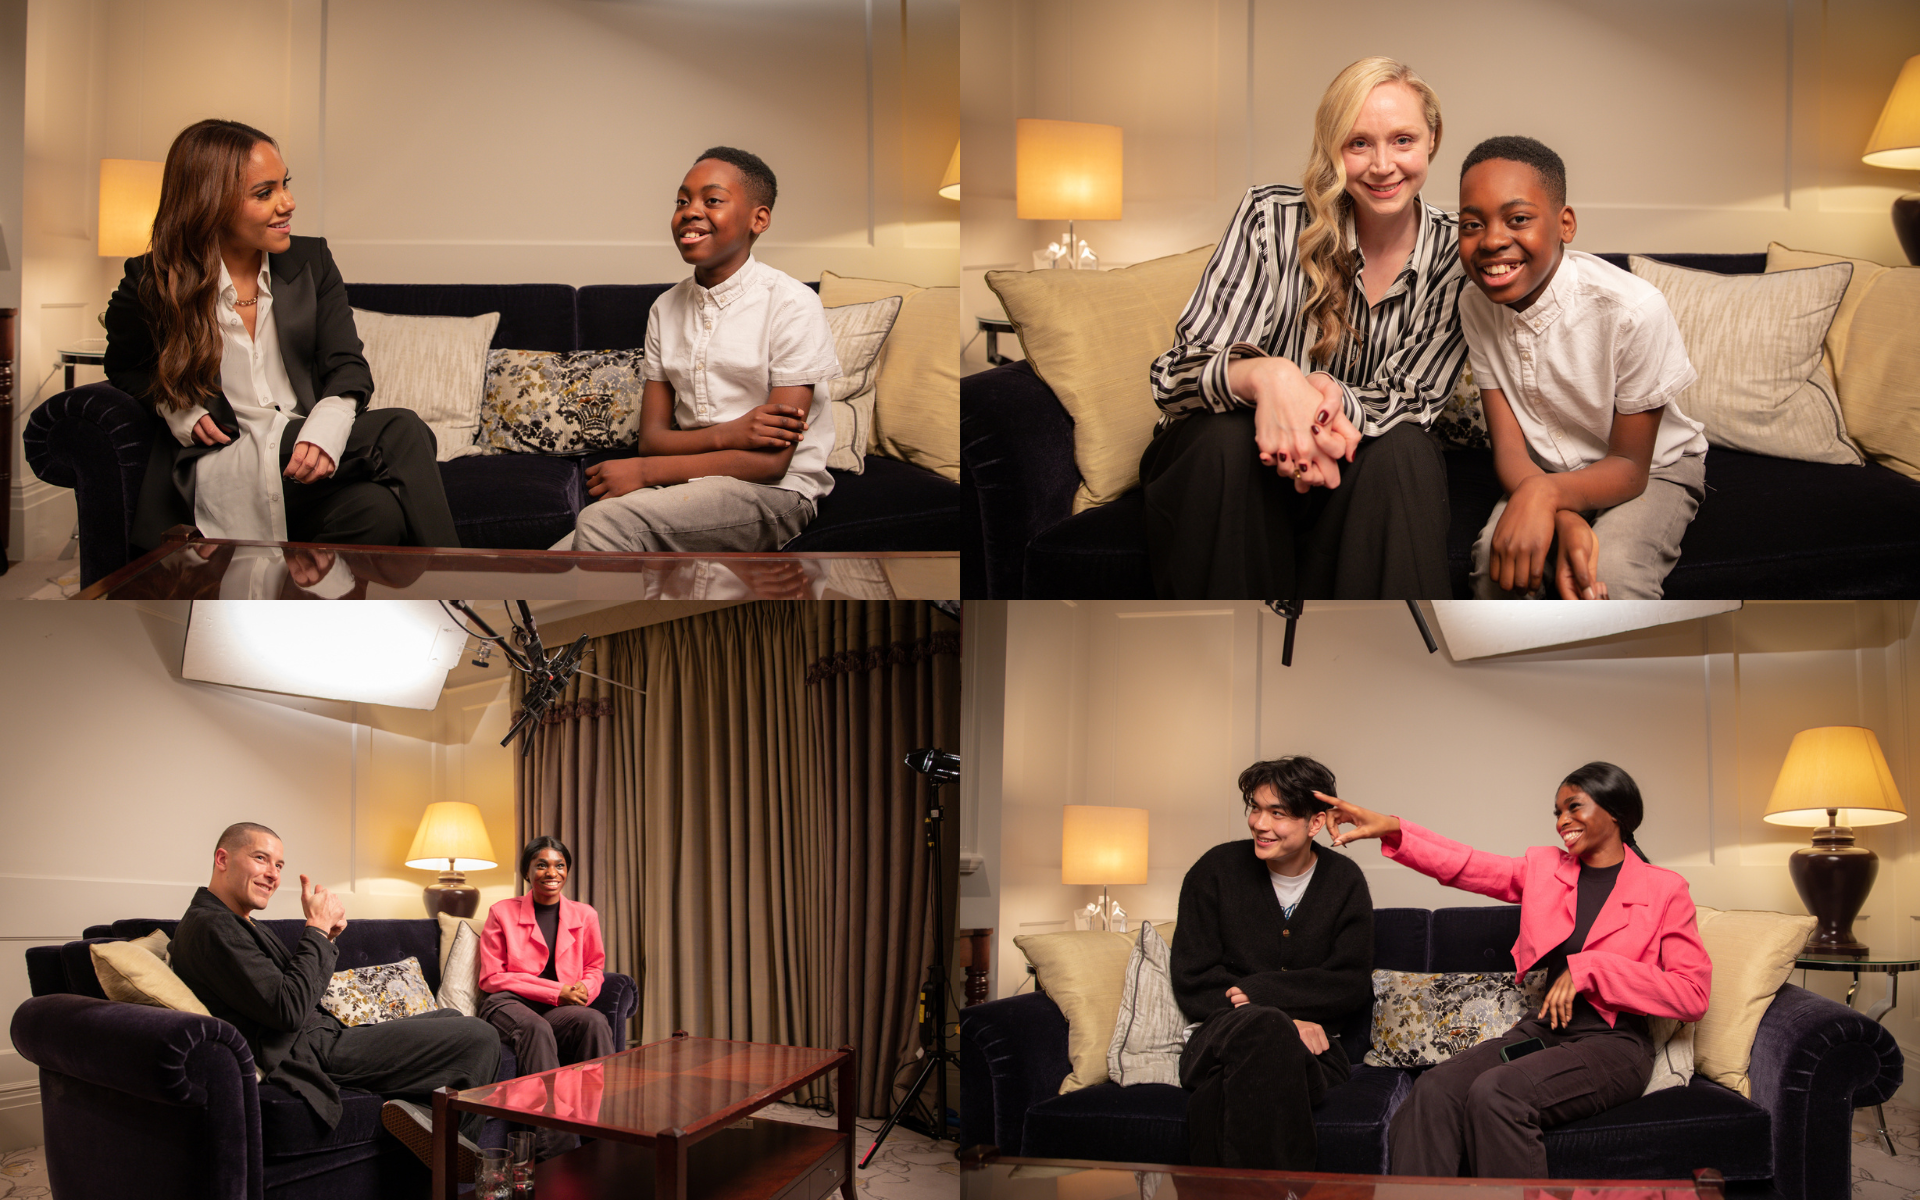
140	1101
95	439
1768	527
1814	1061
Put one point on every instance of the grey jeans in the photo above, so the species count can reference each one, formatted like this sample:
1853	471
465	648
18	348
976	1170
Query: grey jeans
716	513
1639	540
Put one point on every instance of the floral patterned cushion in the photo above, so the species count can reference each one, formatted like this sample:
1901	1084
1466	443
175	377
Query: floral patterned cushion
551	402
1423	1020
370	995
1463	422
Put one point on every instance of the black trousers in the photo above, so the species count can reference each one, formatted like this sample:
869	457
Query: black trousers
545	1036
1222	526
415	1056
1475	1115
1254	1085
384	491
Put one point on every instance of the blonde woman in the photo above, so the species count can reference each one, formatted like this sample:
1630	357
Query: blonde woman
1292	458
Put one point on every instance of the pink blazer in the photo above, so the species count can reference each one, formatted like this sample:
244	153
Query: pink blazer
1643	953
512	952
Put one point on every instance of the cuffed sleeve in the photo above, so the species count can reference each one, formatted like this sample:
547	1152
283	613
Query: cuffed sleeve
1230	315
181	423
328	425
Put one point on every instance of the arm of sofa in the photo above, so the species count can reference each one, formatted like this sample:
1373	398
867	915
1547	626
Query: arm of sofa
1017	474
618	999
96	440
1814	1061
1013	1055
142	1101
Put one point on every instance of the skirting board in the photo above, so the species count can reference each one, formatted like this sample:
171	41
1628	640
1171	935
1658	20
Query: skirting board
40	519
20	1117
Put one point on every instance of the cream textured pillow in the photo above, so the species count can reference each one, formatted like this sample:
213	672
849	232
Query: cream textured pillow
370	995
859	334
1148	1029
1093	336
1757	342
460	972
916	413
136	972
1083	972
436	366
1875	348
1672	1054
449	929
1752	955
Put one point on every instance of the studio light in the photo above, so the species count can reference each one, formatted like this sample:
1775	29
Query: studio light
395	653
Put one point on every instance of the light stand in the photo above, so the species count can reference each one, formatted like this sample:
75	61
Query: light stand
939	767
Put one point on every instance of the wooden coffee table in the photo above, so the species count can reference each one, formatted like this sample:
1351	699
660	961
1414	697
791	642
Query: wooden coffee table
667	1117
984	1175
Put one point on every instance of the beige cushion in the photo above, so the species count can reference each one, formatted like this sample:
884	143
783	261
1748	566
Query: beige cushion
916	412
1752	955
1148	1027
1672	1054
460	970
1084	973
1757	342
1093	336
136	972
436	366
859	335
1874	346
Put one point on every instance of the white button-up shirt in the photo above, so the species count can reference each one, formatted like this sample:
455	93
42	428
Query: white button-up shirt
724	349
1598	341
236	489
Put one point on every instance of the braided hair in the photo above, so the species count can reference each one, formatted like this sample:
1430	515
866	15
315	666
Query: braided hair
1615	791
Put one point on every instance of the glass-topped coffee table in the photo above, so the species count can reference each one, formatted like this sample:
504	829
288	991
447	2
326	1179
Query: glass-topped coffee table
667	1122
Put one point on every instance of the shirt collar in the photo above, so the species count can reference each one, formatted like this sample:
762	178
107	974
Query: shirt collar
1552	302
229	293
1414	260
734	285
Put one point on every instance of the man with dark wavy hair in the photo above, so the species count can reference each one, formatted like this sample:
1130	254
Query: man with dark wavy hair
1273	954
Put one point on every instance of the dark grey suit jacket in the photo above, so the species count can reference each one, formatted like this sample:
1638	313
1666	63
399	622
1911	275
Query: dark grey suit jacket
318	343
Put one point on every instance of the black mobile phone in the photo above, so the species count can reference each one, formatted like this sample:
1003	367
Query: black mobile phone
1521	1049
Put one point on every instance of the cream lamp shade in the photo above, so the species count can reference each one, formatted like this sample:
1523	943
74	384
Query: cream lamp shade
1896	137
1837	767
1066	171
452	830
1103	845
129	197
950	182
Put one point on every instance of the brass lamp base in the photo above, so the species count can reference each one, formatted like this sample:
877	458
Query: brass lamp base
1833	877
452	895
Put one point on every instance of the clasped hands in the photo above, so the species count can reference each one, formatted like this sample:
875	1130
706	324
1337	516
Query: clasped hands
322	908
573	993
308	463
765	428
1312	1036
1533	523
1300	423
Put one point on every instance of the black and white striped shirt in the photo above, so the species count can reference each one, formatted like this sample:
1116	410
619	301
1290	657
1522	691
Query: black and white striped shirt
1250	303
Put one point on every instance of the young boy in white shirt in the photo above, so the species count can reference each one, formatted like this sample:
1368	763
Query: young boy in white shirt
733	444
1579	364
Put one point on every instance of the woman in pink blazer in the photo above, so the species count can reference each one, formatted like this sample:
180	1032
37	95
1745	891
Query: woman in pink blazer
1618	940
542	963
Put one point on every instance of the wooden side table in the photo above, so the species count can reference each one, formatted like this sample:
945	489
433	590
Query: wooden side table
1892	968
89	353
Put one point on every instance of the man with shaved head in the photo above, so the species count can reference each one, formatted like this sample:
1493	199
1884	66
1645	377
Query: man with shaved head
251	979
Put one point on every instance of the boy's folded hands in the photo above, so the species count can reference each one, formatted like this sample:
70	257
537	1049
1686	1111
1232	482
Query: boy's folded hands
1578	558
769	426
1533	525
617	477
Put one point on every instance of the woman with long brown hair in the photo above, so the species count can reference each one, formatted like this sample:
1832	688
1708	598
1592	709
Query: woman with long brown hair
1292	458
240	336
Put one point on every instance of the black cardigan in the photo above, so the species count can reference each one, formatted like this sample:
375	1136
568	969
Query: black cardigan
1316	967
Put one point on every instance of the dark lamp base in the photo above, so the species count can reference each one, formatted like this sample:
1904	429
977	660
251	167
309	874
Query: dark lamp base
1833	877
452	895
1906	225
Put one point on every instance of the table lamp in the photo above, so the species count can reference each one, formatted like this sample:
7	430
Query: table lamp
1066	171
950	182
1896	143
452	833
129	197
1833	771
1105	846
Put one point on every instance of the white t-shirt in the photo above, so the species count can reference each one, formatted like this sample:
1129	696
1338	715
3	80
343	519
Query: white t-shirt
1291	887
723	349
1598	341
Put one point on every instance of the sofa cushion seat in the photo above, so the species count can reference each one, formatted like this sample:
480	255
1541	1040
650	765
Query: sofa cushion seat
890	503
1667	1135
513	501
1099	552
290	1128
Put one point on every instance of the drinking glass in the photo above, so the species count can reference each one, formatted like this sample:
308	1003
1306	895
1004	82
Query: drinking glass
520	1150
493	1177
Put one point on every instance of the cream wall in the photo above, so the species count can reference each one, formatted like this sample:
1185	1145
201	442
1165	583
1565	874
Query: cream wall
119	776
1159	706
1758	110
491	141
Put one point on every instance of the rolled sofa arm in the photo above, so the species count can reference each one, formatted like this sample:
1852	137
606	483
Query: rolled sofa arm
1814	1061
1017	472
96	440
1013	1055
618	999
142	1101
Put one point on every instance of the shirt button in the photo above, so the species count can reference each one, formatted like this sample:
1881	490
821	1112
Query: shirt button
1286	933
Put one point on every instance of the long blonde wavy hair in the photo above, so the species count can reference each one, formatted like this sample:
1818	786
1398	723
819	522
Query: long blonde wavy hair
1323	243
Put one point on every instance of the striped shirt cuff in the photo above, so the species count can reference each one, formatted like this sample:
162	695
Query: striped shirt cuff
1213	377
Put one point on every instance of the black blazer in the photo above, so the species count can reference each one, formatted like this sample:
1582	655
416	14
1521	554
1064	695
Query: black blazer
318	343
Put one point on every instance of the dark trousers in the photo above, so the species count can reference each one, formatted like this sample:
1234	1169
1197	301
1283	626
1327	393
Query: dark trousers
384	491
1220	525
1254	1086
1475	1115
545	1036
415	1056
